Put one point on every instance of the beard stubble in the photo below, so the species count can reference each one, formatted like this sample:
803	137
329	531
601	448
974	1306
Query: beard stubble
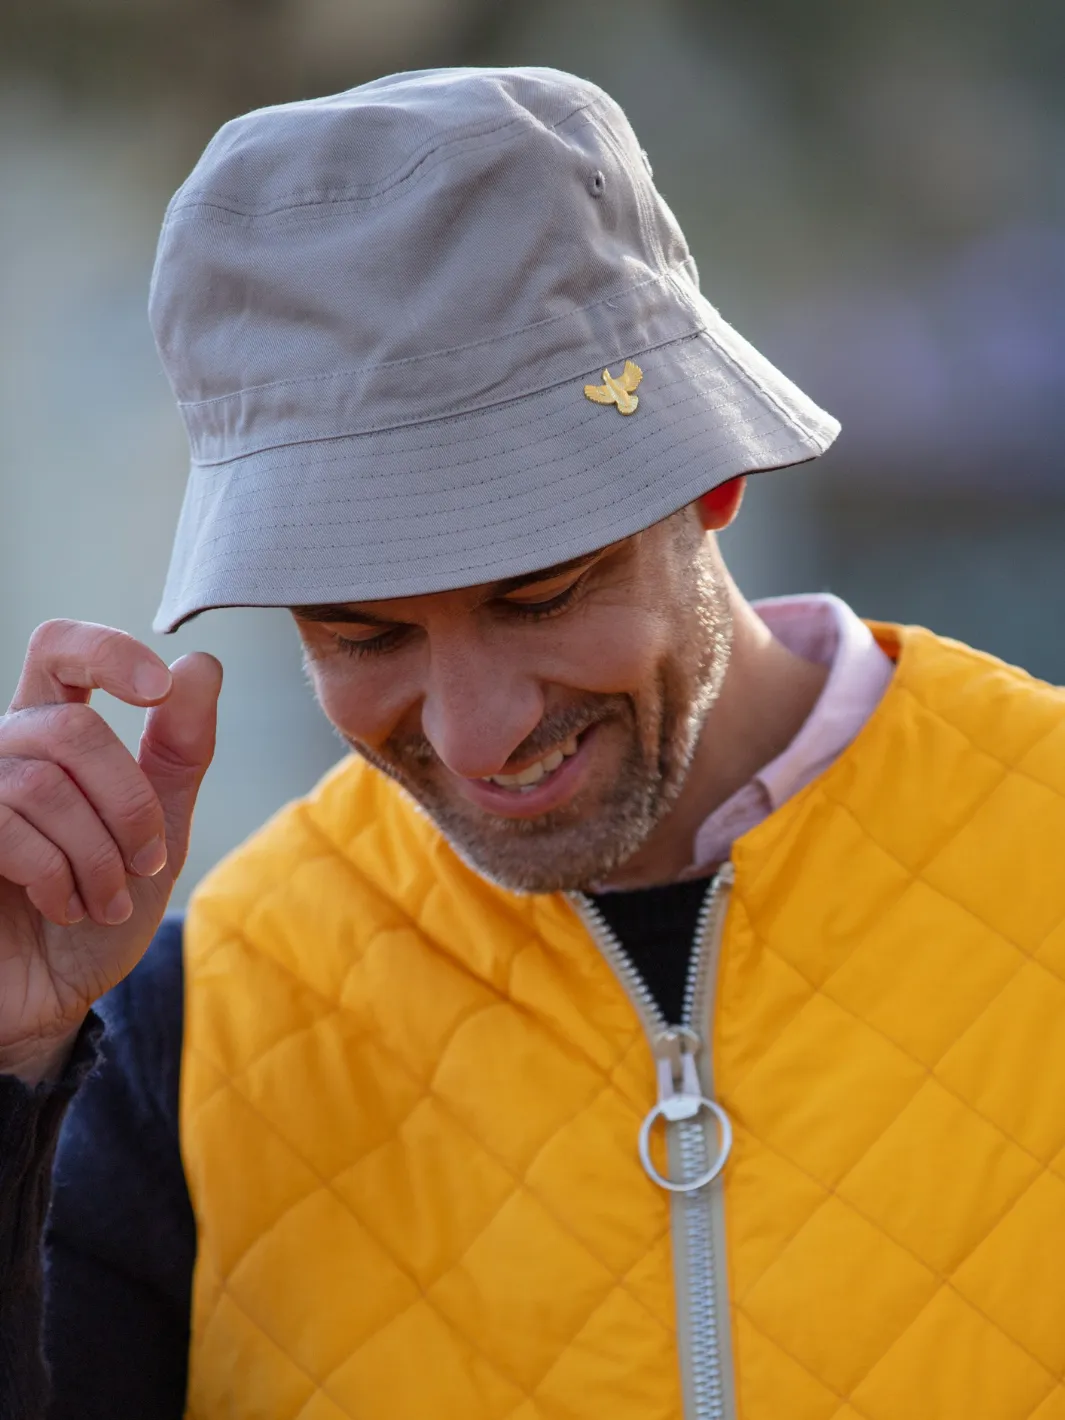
583	843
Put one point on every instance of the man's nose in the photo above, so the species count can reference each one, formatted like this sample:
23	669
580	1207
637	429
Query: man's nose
478	709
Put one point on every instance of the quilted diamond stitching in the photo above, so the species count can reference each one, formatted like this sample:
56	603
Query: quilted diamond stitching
1010	766
397	1062
738	1299
931	1073
336	849
327	1186
398	1317
894	1341
470	1340
559	1360
926	1074
967	1294
520	1181
316	1385
232	1083
616	1282
946	1291
852	1409
1025	957
815	990
332	1009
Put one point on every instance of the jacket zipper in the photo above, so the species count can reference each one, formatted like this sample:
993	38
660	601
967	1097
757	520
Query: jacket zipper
699	1137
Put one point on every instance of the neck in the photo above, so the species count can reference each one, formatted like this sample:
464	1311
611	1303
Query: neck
767	694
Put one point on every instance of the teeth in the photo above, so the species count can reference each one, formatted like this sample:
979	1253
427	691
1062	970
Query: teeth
535	772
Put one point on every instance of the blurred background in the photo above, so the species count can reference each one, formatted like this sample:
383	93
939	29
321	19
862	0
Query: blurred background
875	196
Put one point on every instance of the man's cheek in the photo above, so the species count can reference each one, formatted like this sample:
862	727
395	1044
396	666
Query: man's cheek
355	711
613	656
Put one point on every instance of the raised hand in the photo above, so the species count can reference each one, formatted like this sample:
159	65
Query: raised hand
91	838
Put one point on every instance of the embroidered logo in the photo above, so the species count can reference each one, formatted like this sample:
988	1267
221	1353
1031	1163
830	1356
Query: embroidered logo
617	391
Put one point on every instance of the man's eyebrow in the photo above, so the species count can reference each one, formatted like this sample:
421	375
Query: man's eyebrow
338	611
543	574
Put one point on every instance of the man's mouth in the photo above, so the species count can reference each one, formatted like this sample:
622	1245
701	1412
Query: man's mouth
538	788
527	778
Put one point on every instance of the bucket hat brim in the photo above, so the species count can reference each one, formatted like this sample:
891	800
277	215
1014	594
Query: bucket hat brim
488	494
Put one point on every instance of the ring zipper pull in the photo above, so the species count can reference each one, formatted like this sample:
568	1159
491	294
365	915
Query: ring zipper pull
680	1098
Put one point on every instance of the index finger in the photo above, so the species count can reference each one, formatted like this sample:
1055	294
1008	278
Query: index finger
67	660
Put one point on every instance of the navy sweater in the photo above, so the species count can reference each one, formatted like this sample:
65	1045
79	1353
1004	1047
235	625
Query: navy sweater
113	1314
95	1289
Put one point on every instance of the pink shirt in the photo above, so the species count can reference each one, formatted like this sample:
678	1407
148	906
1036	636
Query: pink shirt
825	630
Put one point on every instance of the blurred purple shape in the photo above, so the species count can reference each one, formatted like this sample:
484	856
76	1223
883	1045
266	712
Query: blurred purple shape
954	381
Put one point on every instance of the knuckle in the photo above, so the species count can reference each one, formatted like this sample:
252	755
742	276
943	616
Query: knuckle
101	864
26	853
79	727
60	637
107	648
54	791
49	634
141	808
37	782
34	781
53	872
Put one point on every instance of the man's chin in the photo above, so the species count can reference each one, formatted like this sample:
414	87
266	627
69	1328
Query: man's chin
528	879
536	856
572	848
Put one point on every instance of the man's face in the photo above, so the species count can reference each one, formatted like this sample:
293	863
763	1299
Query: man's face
547	723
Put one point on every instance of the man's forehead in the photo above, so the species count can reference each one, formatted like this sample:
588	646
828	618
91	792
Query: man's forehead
364	611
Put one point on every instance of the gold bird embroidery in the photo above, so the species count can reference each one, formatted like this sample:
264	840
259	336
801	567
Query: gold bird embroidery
617	391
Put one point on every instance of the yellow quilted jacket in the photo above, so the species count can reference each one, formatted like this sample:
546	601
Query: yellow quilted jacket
412	1106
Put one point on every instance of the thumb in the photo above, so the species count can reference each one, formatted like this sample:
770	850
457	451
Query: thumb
178	744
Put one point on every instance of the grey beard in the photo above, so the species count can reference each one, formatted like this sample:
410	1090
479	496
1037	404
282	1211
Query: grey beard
557	853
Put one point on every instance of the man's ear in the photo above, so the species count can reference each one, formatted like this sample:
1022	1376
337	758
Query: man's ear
718	507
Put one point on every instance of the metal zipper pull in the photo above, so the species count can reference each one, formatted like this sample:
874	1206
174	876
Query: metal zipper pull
683	1070
680	1097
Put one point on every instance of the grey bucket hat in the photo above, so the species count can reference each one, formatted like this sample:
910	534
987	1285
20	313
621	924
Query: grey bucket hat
379	312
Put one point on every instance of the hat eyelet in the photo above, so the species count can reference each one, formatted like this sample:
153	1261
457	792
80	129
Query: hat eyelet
597	184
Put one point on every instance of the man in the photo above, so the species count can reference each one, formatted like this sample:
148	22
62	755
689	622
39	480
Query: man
660	1014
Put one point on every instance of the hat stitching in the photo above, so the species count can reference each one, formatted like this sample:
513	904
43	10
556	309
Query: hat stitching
702	394
619	435
521	467
449	417
615	525
563	462
752	379
612	522
662	278
188	201
500	487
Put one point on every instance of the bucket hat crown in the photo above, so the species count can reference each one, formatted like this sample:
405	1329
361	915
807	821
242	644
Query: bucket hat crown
379	311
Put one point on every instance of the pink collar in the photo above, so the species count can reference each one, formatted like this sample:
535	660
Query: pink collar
823	629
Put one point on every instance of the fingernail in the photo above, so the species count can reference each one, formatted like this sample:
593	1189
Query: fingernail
151	682
75	909
150	859
119	908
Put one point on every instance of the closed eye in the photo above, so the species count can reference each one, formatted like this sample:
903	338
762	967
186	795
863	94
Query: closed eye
371	645
532	603
546	606
526	602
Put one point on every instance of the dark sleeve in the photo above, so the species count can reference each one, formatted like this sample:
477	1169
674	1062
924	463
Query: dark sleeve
30	1120
121	1241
